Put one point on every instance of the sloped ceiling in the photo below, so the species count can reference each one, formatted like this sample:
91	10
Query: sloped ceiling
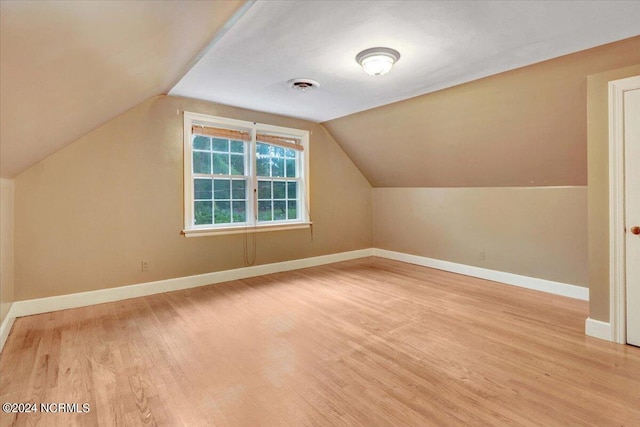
525	127
70	66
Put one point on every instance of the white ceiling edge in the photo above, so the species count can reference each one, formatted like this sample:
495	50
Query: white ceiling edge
250	65
470	77
220	33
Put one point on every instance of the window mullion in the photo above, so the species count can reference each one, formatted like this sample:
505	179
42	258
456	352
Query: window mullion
278	164
254	177
273	212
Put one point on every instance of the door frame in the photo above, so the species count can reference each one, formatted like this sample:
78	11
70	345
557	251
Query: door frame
617	286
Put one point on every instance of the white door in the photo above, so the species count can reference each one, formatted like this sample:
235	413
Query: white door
632	212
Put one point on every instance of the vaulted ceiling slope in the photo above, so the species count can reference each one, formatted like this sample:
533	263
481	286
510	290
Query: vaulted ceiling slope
525	127
70	66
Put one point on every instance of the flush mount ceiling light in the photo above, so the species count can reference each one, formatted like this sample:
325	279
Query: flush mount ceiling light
377	61
303	84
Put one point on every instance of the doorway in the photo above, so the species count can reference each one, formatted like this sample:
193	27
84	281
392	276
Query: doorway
624	151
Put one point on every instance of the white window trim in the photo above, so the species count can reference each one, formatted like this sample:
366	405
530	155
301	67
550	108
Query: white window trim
191	230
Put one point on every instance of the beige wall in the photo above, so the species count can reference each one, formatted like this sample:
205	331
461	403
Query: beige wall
523	128
538	232
598	158
6	247
91	60
86	216
526	127
89	214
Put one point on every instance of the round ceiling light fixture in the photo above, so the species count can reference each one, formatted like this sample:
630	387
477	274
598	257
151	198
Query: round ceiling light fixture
377	61
303	84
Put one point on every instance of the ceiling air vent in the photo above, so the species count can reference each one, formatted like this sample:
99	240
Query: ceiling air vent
303	84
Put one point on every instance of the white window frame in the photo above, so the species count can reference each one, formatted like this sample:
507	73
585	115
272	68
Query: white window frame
252	224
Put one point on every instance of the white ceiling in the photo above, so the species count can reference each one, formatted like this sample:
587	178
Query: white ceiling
442	43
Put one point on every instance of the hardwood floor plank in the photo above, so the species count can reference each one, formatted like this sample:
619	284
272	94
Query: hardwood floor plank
366	342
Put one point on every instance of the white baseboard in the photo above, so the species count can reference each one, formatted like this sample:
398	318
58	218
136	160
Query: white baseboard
5	326
598	329
82	299
564	289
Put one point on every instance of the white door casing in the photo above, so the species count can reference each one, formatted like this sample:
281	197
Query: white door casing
632	212
619	221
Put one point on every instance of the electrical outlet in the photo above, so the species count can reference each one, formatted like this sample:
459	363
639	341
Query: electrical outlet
144	265
482	256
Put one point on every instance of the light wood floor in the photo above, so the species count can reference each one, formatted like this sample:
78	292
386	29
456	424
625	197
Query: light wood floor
366	342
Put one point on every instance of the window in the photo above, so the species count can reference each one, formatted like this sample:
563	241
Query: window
240	175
